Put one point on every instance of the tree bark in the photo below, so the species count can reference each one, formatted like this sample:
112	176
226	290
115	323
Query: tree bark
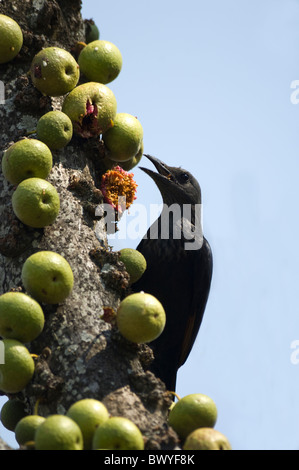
79	354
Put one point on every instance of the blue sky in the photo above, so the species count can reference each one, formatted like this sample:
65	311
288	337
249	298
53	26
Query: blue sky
210	81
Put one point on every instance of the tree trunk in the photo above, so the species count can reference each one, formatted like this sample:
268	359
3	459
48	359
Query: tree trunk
79	354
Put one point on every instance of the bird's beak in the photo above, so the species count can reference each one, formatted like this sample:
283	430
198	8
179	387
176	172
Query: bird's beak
164	172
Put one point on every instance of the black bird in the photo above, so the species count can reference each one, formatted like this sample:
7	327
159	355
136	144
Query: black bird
179	268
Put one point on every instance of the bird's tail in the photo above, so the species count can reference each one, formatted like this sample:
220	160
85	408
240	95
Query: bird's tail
167	374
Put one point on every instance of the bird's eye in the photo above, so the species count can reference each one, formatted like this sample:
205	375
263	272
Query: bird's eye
184	178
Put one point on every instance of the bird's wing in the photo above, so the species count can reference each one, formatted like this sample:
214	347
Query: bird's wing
202	275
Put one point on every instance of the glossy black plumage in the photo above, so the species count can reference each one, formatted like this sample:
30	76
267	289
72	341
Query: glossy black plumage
180	278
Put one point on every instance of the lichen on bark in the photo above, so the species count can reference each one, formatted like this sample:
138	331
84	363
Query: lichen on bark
79	354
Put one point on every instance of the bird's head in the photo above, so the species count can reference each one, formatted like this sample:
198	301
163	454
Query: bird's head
175	184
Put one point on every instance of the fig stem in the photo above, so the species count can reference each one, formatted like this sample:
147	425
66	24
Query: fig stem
175	394
35	411
31	132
